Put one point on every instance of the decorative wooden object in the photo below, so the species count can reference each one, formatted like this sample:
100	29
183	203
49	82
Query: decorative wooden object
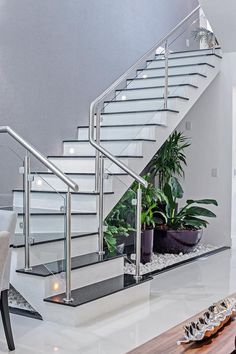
222	342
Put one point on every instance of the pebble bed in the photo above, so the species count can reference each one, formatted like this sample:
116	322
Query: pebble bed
161	261
16	300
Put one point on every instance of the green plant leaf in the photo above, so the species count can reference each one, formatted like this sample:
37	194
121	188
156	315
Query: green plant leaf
199	211
195	222
202	201
177	190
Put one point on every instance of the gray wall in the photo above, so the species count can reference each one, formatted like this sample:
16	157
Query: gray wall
57	55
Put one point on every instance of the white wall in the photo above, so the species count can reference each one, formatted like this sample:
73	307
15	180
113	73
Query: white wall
221	15
211	148
234	167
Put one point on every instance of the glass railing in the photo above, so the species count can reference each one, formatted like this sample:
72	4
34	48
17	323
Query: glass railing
45	215
164	86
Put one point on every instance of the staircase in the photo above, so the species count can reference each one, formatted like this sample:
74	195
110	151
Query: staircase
135	123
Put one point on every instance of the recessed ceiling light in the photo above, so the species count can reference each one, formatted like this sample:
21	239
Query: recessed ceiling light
145	76
123	98
71	151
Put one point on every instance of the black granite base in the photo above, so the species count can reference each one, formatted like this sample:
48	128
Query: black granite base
98	290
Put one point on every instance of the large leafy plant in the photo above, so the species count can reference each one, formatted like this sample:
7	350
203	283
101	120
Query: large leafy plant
191	216
170	159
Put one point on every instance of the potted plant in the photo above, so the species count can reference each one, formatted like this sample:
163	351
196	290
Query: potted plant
170	159
206	36
149	200
182	229
119	225
110	237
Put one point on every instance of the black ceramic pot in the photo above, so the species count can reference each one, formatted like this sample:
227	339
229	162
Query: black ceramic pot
176	241
146	246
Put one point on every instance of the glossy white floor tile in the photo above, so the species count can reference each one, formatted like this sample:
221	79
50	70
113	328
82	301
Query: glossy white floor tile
176	295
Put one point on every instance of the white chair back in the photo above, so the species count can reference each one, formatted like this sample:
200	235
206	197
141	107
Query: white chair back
7	224
4	259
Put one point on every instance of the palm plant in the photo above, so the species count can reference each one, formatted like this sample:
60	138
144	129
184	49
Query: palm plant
170	159
206	36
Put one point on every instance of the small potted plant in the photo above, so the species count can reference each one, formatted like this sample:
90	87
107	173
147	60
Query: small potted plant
111	232
119	225
180	230
149	200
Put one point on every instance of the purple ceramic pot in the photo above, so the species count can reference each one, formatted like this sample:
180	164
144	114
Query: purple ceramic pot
146	246
176	241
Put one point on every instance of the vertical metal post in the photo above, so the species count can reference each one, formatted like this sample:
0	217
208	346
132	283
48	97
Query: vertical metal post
98	154
166	74
137	275
26	206
68	297
99	182
101	205
214	49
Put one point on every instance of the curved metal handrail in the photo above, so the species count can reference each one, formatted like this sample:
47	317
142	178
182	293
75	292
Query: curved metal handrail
113	86
40	157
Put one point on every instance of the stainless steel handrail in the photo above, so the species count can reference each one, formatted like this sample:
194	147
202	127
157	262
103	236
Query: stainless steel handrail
94	129
113	86
116	83
40	157
26	203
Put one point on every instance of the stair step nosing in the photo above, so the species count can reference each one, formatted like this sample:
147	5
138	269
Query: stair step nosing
57	213
93	157
143	112
77	174
178	66
56	240
192	51
147	99
124	125
155	87
110	140
162	77
185	57
59	192
59	271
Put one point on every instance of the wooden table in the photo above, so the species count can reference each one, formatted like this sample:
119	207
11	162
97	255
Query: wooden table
221	343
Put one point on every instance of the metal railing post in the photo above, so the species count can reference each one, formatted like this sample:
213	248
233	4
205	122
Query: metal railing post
97	130
137	275
101	206
214	49
166	75
68	297
26	206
